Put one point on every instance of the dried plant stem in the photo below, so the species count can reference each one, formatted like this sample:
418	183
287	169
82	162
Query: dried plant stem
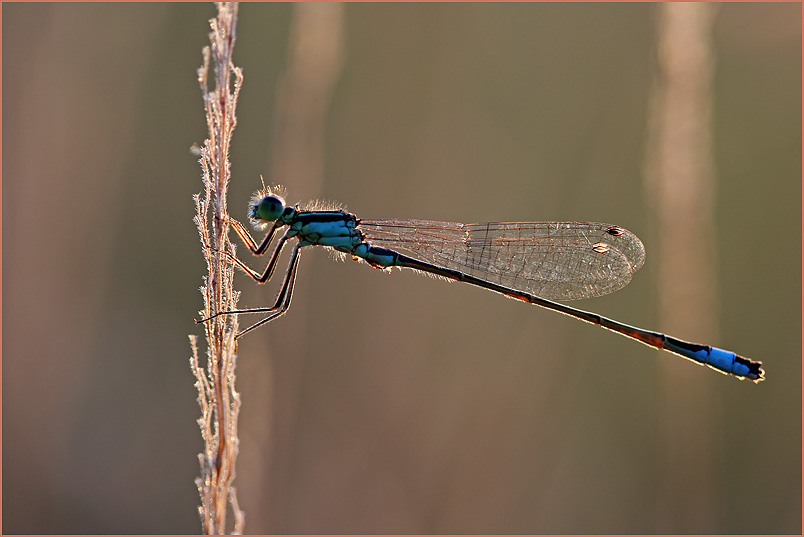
219	401
682	176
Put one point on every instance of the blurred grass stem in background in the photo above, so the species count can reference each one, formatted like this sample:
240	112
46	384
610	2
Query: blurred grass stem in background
219	401
681	187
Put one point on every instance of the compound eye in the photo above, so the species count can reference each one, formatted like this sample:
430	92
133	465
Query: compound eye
269	208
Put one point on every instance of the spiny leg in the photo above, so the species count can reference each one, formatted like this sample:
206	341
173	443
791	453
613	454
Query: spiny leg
282	300
249	241
287	291
269	270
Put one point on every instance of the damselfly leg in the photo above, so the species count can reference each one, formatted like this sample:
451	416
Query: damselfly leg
249	241
286	292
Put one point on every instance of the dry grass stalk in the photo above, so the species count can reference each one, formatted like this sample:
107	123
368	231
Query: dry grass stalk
682	181
219	401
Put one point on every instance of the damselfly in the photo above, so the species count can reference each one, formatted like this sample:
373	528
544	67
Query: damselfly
536	262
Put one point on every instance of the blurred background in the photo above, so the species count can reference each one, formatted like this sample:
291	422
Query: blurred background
397	403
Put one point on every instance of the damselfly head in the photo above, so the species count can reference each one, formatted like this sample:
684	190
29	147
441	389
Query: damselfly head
266	206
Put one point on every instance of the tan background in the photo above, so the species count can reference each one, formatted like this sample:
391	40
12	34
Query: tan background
393	403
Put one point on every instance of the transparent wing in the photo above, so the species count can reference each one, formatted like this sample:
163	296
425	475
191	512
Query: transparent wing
553	260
